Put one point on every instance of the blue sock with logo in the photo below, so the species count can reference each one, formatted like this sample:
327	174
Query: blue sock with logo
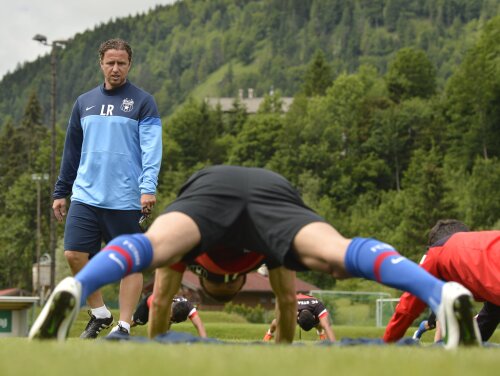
371	259
122	256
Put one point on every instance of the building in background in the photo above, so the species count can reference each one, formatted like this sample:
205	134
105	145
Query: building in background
256	290
250	102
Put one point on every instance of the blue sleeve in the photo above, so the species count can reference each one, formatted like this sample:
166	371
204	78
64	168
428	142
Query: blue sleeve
150	133
71	155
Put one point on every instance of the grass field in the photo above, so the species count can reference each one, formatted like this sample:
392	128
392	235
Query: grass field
78	357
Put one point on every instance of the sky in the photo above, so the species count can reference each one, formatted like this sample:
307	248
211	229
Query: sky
20	20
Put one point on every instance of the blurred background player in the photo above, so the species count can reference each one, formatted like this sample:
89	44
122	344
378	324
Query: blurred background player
467	257
182	309
311	313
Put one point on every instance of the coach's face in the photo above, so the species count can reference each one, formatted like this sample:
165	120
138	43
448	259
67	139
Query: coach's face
223	291
115	66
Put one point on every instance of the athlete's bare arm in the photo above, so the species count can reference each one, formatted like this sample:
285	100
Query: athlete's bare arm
198	324
324	323
283	284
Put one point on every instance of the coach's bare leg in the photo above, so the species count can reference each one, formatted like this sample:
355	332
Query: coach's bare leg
322	248
76	261
130	293
172	235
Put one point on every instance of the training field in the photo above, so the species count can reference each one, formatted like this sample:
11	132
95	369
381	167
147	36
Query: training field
240	357
18	357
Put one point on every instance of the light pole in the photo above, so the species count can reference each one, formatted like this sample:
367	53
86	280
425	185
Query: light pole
38	178
52	180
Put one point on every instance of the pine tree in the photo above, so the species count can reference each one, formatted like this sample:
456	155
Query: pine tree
32	130
318	76
411	74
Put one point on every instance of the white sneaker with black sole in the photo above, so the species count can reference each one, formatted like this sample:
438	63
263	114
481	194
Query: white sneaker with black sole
456	317
58	314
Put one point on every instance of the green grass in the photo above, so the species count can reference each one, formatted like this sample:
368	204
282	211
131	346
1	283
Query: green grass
19	357
76	357
233	327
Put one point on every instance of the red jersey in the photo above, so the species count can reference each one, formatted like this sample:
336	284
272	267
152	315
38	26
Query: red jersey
222	264
469	258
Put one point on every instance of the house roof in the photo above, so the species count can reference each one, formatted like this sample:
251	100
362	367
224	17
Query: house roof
255	283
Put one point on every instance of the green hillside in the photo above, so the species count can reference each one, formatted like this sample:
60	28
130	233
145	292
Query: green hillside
180	47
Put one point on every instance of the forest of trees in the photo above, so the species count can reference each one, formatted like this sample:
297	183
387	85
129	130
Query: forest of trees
395	121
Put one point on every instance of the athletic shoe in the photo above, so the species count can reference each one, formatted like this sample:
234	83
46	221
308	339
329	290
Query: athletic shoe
417	335
118	332
141	314
456	316
421	330
95	325
61	309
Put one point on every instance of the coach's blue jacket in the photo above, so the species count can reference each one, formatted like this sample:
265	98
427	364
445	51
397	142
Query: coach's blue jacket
113	148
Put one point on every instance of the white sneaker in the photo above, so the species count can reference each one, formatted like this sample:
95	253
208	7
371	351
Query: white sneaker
56	317
118	332
456	316
416	335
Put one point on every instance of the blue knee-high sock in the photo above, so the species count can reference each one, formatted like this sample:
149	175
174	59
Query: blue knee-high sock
122	256
378	261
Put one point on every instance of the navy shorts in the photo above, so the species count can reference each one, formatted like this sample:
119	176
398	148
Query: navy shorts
88	226
245	208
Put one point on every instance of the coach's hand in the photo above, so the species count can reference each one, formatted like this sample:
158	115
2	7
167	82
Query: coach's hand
148	201
59	208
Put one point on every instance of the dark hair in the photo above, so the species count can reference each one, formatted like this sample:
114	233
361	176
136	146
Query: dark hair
306	320
444	228
115	44
180	311
223	298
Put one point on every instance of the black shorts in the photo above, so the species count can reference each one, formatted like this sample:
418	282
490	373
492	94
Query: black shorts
488	320
249	208
88	226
